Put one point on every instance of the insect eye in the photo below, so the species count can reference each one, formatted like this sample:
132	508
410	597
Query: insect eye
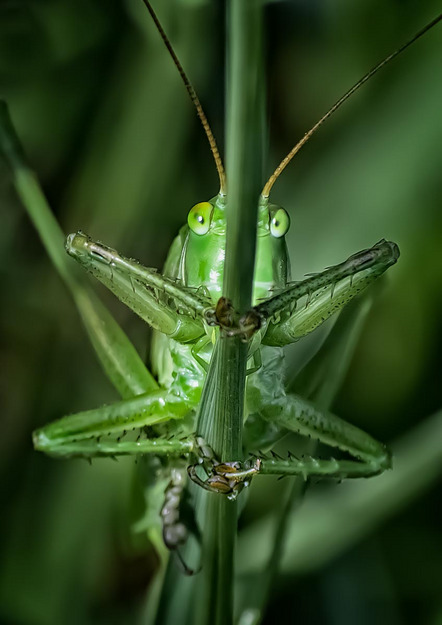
279	223
199	217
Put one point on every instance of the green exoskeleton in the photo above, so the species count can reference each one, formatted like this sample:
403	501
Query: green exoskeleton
185	307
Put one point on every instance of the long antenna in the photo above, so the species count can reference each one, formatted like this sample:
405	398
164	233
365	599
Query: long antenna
193	96
283	164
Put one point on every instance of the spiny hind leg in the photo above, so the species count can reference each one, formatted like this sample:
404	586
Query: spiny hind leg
117	429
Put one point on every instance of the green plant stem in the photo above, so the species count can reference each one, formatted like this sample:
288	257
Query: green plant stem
115	352
244	121
222	405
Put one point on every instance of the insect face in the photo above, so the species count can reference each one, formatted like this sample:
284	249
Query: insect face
272	265
203	254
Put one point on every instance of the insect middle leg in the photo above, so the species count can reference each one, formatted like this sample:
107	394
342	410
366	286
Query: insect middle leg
111	430
301	416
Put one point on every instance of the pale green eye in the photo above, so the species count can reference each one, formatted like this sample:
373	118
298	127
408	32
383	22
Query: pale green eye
199	217
279	223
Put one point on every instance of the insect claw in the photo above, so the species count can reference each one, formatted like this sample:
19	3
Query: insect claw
186	569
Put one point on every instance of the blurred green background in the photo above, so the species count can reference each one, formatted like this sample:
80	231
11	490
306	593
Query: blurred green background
107	125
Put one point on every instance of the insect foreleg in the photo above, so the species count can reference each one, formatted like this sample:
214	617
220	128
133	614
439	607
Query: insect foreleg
304	305
164	304
112	430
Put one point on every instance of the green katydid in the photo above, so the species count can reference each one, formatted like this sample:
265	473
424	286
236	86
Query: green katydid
183	305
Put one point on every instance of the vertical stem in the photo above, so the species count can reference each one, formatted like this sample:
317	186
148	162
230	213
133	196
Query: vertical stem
221	410
220	423
244	141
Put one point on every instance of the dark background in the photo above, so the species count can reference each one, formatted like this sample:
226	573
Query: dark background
108	128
